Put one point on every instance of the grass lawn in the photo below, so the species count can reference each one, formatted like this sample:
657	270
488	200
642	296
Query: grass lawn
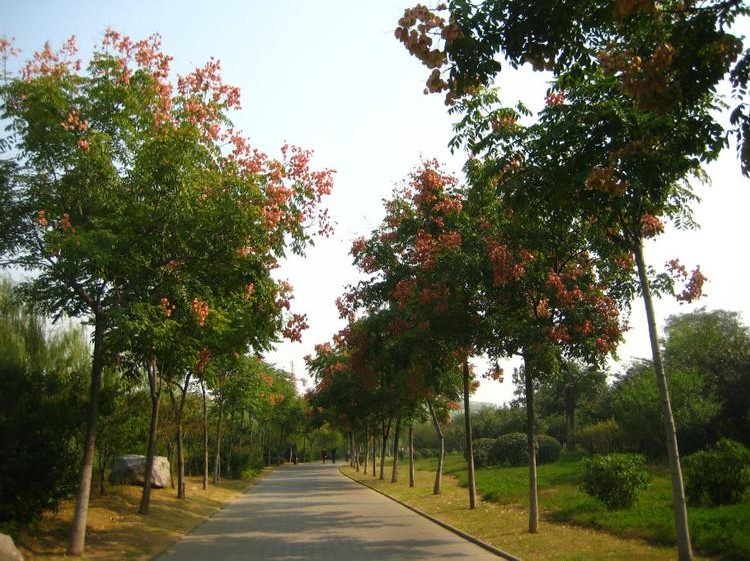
574	526
115	530
721	531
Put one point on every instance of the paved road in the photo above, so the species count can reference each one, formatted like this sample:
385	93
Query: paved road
311	512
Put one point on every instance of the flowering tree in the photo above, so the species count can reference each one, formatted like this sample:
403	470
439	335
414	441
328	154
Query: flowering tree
123	184
421	268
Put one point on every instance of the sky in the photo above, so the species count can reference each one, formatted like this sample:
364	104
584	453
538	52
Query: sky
330	76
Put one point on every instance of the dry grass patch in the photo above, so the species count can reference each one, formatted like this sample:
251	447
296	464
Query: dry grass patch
506	526
115	530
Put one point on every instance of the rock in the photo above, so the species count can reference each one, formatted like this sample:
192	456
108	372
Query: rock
130	469
8	551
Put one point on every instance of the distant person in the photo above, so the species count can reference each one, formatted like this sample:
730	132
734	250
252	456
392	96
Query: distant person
324	455
333	455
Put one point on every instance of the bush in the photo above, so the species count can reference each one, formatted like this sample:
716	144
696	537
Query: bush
615	479
547	449
484	452
721	474
512	449
604	437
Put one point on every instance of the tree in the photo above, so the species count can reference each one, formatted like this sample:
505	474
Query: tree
715	345
563	393
109	162
635	407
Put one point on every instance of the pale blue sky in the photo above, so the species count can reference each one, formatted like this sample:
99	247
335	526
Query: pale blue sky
329	75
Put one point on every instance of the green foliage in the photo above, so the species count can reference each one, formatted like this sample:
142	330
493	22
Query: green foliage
636	408
615	479
720	475
603	437
491	422
512	449
547	449
42	381
715	345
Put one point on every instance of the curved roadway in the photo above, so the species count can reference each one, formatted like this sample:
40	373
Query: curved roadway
311	512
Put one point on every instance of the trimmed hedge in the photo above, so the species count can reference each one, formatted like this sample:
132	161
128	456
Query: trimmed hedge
484	452
615	479
512	449
547	449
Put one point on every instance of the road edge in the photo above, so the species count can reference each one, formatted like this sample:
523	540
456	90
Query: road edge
468	537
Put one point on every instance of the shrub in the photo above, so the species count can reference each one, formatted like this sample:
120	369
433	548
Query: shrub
721	474
547	449
604	437
615	479
483	452
512	449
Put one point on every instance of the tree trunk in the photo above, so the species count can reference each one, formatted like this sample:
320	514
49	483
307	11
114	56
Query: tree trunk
205	435
367	449
77	539
570	412
374	450
678	490
530	439
438	487
411	456
154	384
386	429
469	439
180	437
396	438
217	458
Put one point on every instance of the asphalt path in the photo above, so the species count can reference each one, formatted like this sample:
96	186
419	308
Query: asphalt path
311	512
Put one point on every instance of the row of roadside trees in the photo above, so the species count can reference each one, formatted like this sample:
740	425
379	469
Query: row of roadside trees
237	418
542	249
135	205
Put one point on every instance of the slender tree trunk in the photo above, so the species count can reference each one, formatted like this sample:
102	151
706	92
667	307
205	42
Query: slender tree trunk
411	456
180	441
678	490
570	416
354	453
396	438
205	435
386	429
217	458
374	449
531	441
367	449
438	487
268	448
154	383
469	439
77	539
351	449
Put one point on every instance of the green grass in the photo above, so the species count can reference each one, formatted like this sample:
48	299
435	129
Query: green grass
721	531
